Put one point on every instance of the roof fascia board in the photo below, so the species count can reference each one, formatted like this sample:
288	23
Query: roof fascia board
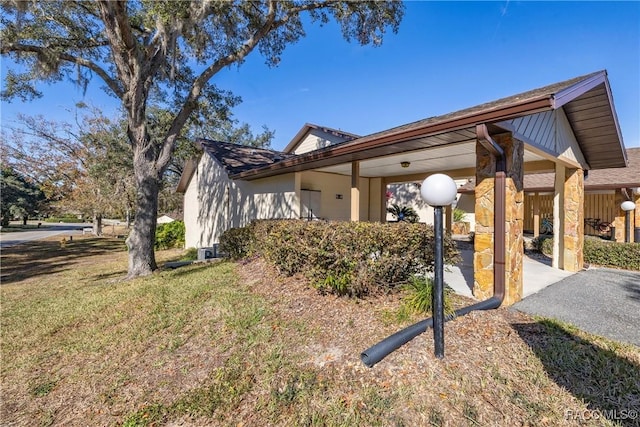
187	173
615	120
572	92
530	106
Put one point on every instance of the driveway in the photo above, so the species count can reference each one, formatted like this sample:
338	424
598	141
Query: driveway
601	301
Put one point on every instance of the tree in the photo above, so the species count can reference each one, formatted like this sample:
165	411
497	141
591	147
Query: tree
164	50
85	167
18	197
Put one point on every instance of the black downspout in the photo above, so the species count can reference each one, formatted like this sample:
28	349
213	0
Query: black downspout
379	351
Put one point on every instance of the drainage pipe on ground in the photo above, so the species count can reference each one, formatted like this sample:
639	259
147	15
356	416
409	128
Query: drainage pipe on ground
379	351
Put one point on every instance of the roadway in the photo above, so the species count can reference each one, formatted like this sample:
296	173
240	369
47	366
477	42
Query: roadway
47	230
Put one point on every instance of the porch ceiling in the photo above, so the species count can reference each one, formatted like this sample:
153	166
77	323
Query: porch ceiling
460	158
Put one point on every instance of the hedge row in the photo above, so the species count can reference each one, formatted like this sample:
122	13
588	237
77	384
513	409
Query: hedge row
601	252
346	258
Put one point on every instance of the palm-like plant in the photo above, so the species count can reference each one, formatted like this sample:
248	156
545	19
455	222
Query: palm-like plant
403	213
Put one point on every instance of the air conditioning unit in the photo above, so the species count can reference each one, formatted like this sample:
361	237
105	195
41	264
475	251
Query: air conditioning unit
209	253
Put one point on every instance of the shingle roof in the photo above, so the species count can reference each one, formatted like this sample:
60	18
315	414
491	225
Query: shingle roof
582	98
599	179
237	158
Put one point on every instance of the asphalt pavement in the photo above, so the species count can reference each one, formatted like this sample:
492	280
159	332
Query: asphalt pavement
600	301
47	230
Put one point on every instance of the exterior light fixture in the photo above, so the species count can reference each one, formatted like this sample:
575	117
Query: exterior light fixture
438	190
627	207
405	164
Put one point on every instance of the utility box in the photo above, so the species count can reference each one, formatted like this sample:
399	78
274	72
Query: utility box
209	253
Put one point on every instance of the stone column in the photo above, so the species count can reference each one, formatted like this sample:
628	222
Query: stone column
557	260
483	259
573	214
618	221
355	191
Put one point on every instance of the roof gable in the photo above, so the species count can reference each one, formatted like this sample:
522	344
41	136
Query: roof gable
308	127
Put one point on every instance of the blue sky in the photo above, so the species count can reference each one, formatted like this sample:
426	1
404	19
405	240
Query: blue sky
446	56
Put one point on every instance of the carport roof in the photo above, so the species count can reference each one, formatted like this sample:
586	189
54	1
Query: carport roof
586	100
601	179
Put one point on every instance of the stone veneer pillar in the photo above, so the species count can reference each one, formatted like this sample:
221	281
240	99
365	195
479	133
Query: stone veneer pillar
573	214
618	221
483	258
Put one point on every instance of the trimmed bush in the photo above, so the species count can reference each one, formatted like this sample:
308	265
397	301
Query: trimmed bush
345	258
544	244
600	252
170	235
237	243
612	254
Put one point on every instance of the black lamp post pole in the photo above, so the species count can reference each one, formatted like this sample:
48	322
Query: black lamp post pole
627	226
438	286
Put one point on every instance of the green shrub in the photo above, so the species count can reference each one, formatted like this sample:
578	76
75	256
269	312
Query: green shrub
419	296
170	235
600	252
458	215
544	244
345	258
612	254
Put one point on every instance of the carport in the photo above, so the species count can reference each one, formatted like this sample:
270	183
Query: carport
567	128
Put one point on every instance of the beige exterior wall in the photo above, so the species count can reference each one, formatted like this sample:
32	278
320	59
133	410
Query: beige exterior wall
206	207
331	186
213	203
316	139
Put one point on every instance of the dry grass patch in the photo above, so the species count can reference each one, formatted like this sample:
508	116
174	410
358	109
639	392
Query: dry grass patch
236	344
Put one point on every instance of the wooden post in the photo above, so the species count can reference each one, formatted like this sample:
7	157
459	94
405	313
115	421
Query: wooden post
355	190
536	214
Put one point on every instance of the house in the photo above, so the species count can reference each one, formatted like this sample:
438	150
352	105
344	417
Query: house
604	191
567	129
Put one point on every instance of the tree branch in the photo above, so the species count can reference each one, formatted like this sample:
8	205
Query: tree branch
111	83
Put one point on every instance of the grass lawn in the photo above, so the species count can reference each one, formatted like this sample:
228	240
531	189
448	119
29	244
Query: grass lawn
235	344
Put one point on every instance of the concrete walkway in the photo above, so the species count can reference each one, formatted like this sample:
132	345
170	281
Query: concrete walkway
538	274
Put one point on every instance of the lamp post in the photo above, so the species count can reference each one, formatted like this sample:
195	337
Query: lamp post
438	190
627	207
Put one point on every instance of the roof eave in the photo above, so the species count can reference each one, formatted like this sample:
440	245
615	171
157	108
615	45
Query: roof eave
190	167
529	106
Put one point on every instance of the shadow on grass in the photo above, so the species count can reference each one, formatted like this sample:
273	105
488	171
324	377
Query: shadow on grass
46	257
192	268
607	382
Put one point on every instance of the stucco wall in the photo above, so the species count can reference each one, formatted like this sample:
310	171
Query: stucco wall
213	203
330	185
206	207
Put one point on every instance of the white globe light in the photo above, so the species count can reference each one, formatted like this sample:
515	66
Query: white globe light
438	190
628	205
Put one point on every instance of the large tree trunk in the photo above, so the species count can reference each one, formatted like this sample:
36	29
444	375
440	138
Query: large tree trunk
97	224
142	237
